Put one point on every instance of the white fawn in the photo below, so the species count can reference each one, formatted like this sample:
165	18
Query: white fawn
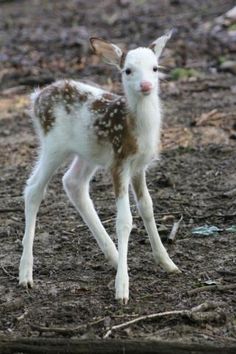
101	129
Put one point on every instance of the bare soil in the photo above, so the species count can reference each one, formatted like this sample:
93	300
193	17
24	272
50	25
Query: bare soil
196	176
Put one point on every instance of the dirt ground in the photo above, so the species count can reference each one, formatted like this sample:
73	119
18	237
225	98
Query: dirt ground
44	40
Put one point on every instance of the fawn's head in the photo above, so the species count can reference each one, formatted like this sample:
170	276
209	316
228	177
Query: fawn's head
139	67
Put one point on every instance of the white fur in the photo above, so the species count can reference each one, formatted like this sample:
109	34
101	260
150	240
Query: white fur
71	135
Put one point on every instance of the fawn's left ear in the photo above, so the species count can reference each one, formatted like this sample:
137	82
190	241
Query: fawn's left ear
158	45
110	52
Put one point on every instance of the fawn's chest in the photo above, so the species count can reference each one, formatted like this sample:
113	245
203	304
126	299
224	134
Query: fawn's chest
147	149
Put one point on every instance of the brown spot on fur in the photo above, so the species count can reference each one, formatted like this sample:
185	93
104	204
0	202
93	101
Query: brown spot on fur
62	92
138	186
44	108
124	147
72	95
99	106
117	124
117	182
109	96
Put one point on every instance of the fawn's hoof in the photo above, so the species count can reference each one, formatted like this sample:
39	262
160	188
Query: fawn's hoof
25	274
169	266
123	301
122	288
26	283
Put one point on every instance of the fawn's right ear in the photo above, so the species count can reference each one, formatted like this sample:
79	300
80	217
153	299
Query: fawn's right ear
108	51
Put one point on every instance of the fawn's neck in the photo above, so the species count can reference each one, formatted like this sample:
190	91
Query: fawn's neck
147	112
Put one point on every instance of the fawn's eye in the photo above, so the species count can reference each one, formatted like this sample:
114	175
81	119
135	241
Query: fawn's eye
155	68
128	71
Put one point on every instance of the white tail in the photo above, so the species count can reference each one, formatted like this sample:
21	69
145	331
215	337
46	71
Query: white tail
101	129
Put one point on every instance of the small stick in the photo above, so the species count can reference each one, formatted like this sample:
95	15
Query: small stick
107	221
188	313
63	330
174	230
212	287
104	222
141	318
208	305
226	272
11	210
21	317
58	330
230	193
7	273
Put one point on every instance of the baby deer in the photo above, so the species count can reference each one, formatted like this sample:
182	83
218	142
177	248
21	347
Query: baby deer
101	129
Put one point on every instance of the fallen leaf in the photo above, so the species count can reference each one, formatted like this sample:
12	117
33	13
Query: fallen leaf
231	228
212	118
205	230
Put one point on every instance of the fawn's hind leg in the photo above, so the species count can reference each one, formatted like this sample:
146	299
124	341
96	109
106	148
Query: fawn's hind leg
76	184
34	192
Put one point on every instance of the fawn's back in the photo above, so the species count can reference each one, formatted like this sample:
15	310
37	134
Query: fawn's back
95	124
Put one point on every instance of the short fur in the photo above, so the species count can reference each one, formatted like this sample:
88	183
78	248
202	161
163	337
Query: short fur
101	129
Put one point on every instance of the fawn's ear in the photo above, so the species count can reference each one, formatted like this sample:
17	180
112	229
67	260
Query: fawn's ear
108	51
158	45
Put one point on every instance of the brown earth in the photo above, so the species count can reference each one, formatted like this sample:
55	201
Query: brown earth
42	41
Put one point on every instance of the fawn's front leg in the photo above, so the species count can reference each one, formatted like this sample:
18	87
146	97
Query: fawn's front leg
123	228
144	203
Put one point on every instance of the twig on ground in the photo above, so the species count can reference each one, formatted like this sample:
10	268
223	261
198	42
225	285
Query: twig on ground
208	216
21	317
64	330
7	273
230	193
226	272
174	230
107	221
208	305
11	210
212	287
188	313
104	222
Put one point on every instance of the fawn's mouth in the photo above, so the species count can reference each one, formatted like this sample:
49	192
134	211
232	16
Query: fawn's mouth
145	92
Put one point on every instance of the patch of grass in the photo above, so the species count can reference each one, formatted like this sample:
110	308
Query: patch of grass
184	73
221	59
232	27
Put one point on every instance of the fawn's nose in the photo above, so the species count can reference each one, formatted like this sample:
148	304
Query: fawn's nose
145	86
